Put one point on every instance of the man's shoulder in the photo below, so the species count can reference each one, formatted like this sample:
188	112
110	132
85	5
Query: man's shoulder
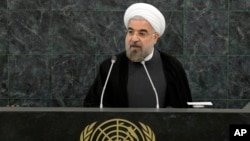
168	57
170	60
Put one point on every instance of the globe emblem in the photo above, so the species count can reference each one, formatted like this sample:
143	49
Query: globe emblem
117	130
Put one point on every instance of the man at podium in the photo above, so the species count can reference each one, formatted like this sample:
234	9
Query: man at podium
141	76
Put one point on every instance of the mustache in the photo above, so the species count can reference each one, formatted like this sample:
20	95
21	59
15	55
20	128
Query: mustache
135	44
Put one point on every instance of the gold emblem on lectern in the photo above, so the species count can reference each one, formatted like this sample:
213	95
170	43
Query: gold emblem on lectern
117	130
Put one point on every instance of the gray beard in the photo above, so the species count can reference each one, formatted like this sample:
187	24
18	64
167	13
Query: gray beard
135	56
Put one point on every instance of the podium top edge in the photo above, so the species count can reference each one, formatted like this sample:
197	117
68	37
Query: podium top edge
147	110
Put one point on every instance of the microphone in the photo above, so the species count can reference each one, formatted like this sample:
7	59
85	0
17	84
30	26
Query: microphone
113	59
152	84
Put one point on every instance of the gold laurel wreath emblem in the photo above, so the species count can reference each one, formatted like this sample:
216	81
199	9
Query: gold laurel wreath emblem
147	132
86	133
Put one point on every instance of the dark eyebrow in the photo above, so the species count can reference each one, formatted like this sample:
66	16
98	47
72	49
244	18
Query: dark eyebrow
129	28
141	30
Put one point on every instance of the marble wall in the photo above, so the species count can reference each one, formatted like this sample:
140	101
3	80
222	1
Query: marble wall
50	50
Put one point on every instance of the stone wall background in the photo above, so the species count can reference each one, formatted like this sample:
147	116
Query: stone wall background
50	50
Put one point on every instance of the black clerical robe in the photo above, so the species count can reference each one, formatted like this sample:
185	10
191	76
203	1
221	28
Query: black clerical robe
177	89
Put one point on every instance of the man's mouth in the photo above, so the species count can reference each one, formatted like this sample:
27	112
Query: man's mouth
135	46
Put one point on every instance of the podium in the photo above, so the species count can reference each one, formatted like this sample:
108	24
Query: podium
82	124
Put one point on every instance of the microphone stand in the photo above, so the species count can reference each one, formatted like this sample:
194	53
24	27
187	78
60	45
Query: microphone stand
155	92
104	87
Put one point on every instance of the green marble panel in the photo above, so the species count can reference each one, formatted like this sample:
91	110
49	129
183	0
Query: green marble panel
4	83
206	5
239	33
239	77
29	76
29	32
206	33
71	76
3	32
29	4
74	32
207	76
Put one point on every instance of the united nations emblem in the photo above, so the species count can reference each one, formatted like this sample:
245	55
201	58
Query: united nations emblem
117	130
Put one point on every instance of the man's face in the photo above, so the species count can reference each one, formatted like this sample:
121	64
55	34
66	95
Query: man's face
140	39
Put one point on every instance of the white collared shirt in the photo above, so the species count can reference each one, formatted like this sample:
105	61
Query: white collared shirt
149	56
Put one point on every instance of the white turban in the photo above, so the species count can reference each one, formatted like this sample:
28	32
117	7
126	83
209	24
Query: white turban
148	12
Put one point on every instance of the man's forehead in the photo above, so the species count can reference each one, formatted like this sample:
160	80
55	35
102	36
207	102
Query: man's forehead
139	24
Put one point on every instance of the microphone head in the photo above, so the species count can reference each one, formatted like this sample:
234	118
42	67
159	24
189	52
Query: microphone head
142	61
113	59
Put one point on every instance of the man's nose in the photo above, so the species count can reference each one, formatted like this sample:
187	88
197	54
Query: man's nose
135	37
